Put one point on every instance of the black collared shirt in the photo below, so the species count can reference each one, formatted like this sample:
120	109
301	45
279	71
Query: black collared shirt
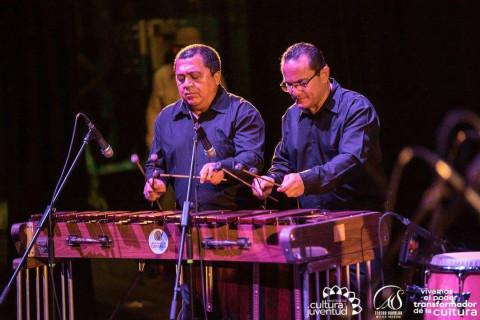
336	151
237	132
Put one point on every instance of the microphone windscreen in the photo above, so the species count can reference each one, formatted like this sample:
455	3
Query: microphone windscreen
253	170
154	157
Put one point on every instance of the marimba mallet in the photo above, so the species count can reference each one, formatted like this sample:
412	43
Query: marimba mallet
253	172
134	159
153	158
218	166
182	176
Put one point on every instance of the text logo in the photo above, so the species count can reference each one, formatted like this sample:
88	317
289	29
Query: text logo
158	241
388	302
336	301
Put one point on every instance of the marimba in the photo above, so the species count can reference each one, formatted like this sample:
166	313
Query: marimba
310	240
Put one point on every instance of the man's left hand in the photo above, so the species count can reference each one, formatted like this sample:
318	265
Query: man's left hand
208	174
292	185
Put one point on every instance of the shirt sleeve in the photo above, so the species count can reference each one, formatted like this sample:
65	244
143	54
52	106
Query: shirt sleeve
361	128
281	162
156	148
248	139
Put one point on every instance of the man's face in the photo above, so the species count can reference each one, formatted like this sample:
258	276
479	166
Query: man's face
196	85
314	94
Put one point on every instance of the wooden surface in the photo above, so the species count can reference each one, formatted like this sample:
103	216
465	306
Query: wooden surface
324	241
321	236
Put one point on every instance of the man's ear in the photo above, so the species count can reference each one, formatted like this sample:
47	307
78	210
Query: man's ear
217	77
325	73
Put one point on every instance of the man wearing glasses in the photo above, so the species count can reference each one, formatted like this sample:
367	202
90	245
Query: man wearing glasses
329	156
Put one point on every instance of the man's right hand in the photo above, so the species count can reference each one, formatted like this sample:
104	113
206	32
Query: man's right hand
261	188
152	194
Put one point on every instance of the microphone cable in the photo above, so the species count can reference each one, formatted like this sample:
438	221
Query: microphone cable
380	243
199	245
68	155
50	267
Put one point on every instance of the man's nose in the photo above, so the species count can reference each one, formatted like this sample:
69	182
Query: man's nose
294	92
188	82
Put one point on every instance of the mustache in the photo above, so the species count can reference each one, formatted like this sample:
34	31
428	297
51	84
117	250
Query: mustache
296	98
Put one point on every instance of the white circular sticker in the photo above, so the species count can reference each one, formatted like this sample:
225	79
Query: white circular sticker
158	241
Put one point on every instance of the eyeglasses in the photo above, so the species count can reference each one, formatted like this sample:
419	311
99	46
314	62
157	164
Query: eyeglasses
299	85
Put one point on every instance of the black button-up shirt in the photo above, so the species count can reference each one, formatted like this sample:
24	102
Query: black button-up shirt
336	151
237	132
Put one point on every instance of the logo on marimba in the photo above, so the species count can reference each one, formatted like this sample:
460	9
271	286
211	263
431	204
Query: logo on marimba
158	241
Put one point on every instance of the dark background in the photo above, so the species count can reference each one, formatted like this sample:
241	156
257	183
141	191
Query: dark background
415	61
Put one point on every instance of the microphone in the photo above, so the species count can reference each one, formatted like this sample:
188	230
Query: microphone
413	228
207	146
106	149
417	243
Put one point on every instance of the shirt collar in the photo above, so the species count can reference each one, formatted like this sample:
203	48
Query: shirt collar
329	103
218	104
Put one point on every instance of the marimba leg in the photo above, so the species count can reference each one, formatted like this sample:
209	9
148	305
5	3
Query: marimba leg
37	291
46	306
62	284
306	294
359	288
19	296
256	291
208	286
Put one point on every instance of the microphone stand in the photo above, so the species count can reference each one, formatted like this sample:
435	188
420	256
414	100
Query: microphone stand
46	217
186	234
